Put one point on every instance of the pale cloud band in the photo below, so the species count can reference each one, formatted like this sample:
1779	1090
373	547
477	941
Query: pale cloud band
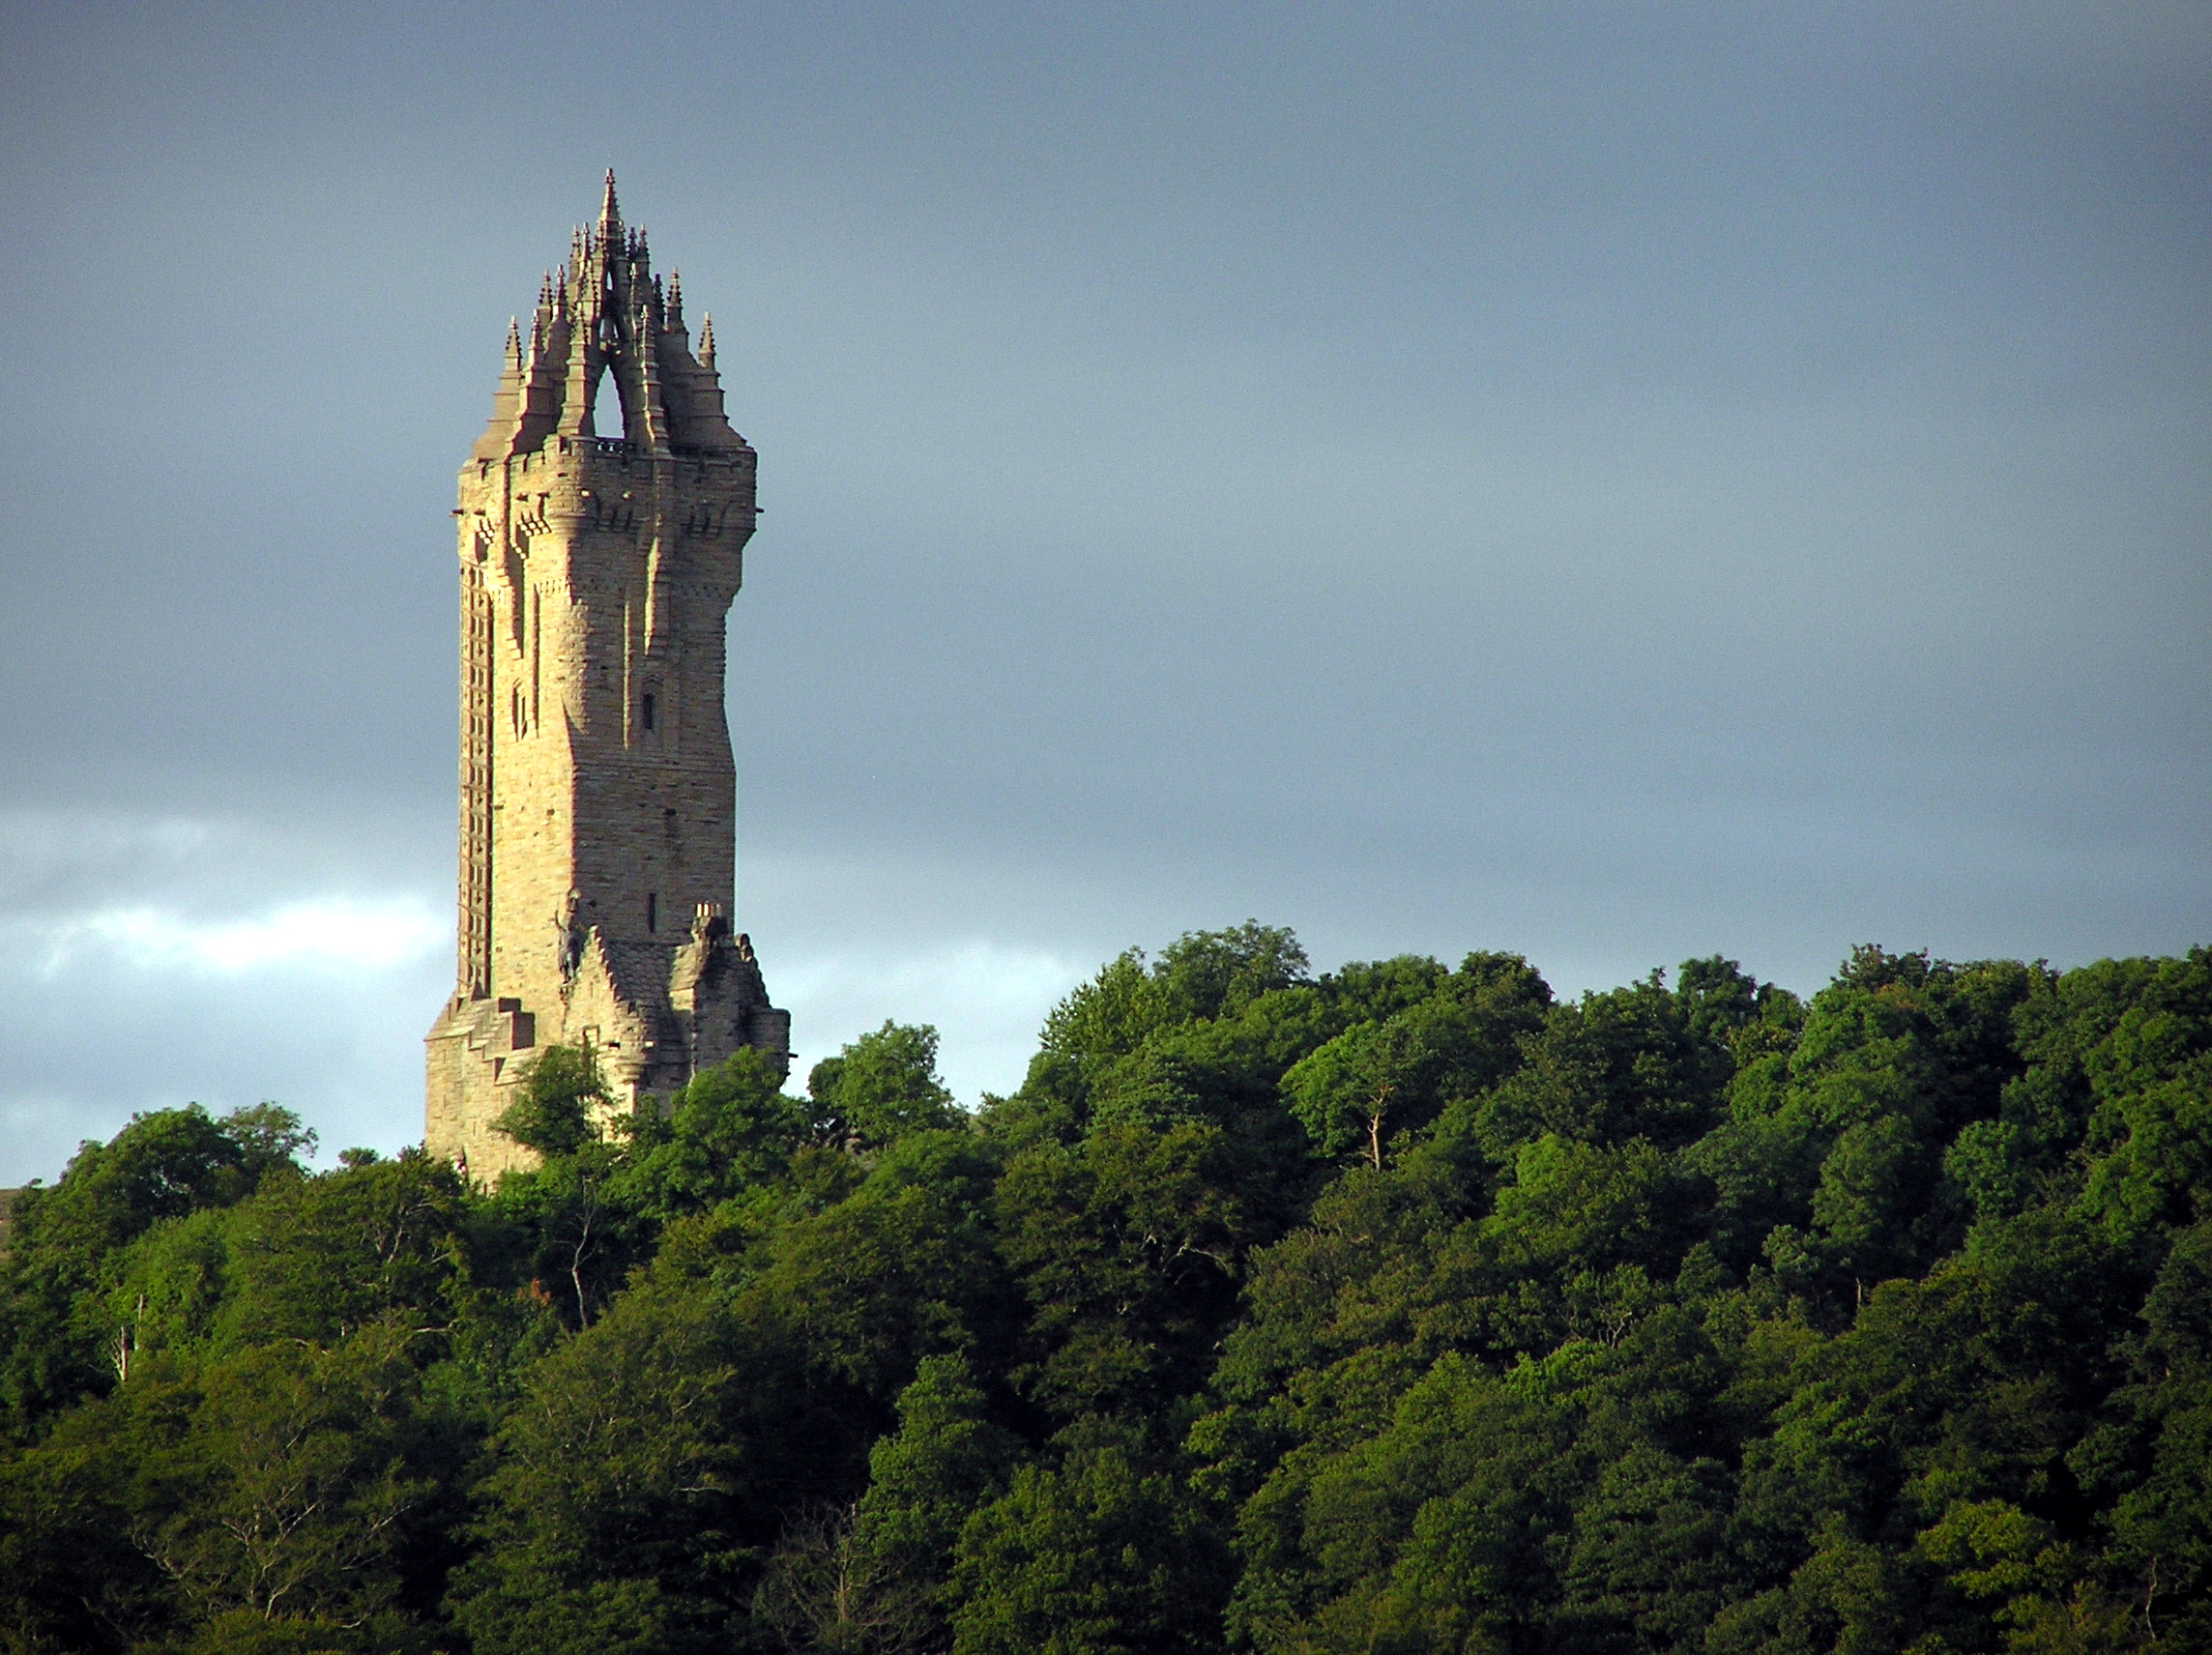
328	934
155	961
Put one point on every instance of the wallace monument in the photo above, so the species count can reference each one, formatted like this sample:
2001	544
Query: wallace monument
602	523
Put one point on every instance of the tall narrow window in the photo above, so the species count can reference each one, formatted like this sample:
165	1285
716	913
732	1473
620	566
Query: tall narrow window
652	910
649	710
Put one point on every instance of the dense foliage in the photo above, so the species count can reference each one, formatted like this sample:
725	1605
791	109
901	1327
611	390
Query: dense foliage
1404	1309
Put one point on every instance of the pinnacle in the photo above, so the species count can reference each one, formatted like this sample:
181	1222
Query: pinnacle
610	215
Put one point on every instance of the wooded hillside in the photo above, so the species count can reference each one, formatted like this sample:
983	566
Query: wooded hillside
1402	1309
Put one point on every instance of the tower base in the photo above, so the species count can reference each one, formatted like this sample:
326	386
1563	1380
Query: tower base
653	1017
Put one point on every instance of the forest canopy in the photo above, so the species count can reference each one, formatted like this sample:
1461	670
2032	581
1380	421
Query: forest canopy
1403	1309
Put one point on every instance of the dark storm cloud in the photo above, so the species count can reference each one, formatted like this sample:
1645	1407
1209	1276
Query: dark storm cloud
1610	482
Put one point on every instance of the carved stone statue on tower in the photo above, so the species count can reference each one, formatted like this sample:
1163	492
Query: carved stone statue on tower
603	517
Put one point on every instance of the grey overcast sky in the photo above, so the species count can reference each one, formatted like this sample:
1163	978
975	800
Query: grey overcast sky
1612	482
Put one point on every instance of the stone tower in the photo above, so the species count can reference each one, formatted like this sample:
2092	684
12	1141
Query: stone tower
603	517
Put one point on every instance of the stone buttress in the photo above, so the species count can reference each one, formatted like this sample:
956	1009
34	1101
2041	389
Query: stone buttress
603	517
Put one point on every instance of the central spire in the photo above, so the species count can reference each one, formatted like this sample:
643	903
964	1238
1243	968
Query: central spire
604	335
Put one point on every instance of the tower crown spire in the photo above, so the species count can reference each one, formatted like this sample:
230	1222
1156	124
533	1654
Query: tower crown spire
608	332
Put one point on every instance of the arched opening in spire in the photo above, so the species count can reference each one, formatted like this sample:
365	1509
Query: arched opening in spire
608	419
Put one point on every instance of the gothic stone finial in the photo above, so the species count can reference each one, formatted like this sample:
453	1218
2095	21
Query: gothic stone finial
707	340
610	215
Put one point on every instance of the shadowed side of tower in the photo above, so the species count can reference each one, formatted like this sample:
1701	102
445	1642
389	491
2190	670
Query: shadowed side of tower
602	522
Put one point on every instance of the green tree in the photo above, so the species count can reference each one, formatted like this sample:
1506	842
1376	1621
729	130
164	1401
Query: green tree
1391	1075
864	1288
59	1339
728	1130
825	1589
323	1257
617	1509
555	1103
1426	1536
1105	1552
1371	1076
1128	1246
579	1212
879	1088
947	1459
1201	977
268	1500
